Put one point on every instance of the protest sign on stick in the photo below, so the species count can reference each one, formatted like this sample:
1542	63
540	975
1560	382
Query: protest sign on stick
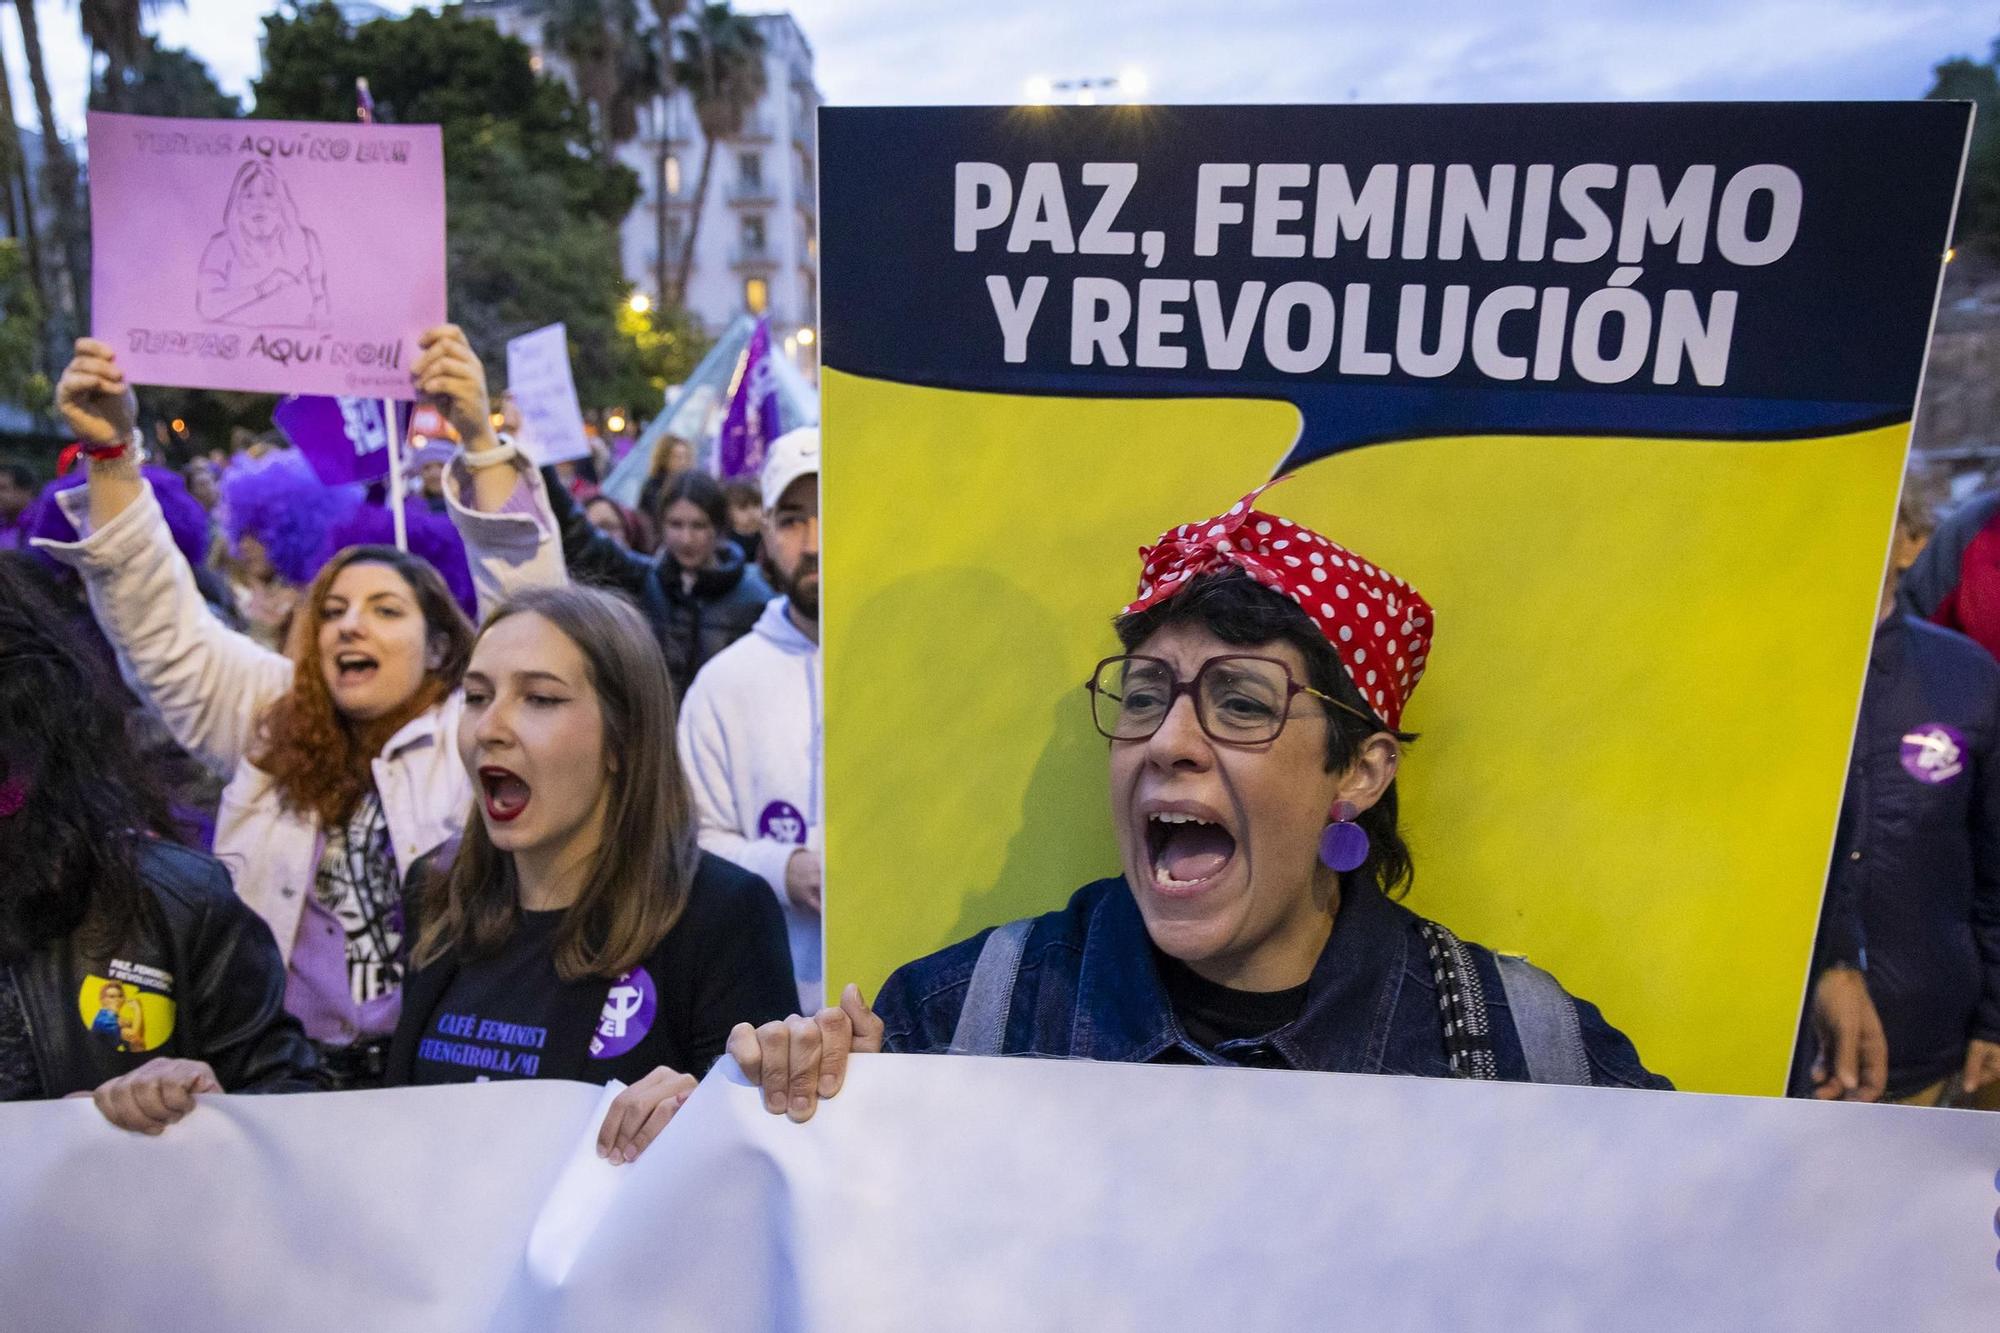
266	256
538	376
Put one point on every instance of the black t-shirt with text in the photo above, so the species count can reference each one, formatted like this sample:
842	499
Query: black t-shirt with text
508	1014
493	1020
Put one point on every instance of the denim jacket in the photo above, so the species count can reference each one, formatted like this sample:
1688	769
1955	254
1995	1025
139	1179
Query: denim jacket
1088	990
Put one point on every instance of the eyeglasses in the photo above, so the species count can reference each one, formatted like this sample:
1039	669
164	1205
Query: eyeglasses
1238	699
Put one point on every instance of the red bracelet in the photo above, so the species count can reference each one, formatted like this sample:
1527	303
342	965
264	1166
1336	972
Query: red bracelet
96	453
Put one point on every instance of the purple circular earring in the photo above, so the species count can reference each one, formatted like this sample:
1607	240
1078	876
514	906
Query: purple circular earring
1344	844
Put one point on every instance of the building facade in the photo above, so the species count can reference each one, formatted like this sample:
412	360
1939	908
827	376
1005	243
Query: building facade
756	245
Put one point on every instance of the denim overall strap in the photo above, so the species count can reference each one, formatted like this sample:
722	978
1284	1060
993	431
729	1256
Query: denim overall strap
1545	1018
982	1023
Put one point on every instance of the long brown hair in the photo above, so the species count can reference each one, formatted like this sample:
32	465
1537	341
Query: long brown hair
318	760
644	868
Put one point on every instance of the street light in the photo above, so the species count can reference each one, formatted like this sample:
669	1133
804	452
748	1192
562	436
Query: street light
614	423
640	303
806	337
1130	85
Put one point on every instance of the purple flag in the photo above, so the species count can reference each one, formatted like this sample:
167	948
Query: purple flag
342	438
752	422
364	102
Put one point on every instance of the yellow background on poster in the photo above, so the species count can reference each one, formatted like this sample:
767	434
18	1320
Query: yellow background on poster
1634	724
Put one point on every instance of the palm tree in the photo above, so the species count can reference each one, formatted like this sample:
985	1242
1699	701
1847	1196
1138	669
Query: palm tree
59	174
613	68
20	218
666	17
115	30
721	65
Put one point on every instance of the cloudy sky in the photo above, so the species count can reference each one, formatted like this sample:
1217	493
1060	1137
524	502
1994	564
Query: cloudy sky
924	51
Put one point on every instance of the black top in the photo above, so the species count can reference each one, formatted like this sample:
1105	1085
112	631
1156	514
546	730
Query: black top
1913	895
492	1021
19	1079
198	977
726	961
1212	1014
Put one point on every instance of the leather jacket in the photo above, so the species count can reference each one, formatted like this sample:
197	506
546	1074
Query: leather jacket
197	978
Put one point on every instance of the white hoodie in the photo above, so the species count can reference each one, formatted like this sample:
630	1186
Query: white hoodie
750	740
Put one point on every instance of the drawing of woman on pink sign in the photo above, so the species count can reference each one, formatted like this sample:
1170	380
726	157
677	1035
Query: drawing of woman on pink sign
263	269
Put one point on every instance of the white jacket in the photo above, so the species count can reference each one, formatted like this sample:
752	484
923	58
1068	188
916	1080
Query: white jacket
211	685
751	741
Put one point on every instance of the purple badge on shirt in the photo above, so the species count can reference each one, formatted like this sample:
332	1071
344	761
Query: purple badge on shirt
781	820
1934	753
628	1015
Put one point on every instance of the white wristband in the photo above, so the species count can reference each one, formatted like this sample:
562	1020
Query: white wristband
505	452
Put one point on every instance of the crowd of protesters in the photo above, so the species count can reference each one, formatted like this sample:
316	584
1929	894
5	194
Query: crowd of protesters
286	807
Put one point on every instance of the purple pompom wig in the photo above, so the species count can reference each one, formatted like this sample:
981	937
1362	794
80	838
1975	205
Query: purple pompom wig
281	502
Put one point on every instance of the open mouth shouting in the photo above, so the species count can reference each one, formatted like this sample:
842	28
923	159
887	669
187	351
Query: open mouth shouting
352	668
1188	846
504	794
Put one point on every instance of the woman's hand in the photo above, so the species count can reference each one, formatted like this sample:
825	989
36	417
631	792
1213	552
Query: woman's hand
803	880
1982	1065
449	371
154	1095
1853	1063
639	1113
95	401
800	1060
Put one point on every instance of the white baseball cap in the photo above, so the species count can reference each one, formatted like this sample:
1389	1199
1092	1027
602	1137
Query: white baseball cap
793	455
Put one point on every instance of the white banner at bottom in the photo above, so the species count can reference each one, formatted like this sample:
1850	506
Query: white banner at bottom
948	1192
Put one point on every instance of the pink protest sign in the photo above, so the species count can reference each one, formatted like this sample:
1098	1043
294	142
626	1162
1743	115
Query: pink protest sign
264	255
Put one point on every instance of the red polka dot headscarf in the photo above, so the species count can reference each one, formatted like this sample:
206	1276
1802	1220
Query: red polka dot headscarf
1379	626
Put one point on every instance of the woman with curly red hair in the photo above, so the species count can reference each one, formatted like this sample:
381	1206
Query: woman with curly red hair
341	748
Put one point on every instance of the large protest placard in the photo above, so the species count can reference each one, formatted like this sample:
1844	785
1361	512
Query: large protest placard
1625	391
267	256
544	391
952	1192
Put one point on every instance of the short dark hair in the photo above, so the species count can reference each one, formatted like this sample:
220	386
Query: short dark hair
700	490
20	474
1238	610
743	491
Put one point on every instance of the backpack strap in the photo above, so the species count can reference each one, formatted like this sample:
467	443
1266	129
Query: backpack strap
1545	1017
1468	1035
982	1023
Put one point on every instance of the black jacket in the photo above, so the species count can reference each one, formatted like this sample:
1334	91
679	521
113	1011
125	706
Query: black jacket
692	625
726	961
1913	896
200	977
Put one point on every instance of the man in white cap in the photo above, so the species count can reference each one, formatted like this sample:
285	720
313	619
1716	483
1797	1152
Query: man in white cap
750	727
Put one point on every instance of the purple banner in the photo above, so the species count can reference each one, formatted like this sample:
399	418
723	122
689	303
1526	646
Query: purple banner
342	438
752	422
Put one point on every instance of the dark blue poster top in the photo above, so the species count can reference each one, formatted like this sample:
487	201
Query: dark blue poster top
1735	271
